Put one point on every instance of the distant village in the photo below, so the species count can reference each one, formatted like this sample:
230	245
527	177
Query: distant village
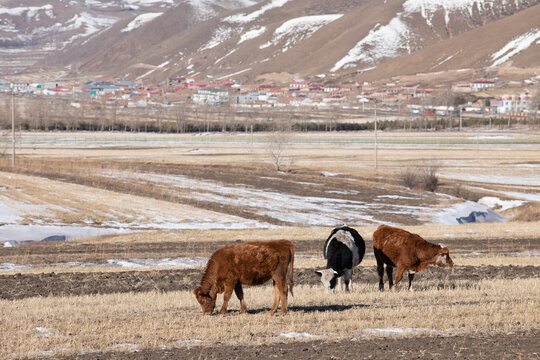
447	99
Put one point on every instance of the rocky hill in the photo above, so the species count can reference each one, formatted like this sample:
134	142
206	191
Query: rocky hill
273	40
33	31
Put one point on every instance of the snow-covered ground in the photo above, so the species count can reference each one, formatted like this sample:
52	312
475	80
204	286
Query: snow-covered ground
290	208
181	262
32	209
515	46
467	212
140	20
295	30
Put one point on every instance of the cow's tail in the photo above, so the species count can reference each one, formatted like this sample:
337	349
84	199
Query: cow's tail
291	264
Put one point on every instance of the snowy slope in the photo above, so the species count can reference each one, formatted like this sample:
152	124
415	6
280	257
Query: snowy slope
36	28
250	39
401	36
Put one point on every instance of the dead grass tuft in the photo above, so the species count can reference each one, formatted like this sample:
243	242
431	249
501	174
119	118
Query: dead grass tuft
527	212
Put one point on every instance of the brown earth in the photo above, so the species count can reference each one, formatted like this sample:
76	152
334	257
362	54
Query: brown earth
502	346
82	282
49	253
19	286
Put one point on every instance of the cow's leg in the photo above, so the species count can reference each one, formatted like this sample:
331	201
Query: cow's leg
390	275
280	292
283	295
380	269
226	297
339	285
348	279
399	275
276	299
240	295
411	277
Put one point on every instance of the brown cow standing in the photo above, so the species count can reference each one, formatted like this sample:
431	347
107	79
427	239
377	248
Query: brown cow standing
250	263
398	247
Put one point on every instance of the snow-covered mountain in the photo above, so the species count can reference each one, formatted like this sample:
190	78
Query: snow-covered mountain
283	39
42	27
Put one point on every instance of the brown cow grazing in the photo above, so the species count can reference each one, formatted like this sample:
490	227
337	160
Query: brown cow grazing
250	263
397	247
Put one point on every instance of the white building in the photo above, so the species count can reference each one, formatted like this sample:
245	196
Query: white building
210	97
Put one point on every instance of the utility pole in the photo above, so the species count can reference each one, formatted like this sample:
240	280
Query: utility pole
12	125
376	144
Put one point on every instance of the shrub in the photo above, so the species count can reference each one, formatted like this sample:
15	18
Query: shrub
422	175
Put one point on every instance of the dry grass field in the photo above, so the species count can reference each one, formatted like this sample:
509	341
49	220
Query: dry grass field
164	203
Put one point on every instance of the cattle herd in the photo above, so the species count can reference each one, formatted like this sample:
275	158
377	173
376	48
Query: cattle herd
256	262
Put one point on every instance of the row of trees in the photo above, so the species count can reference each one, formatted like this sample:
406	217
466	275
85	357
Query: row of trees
49	114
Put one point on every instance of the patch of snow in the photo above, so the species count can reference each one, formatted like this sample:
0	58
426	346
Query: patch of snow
32	12
182	343
397	197
428	8
15	234
525	254
45	332
369	68
206	9
390	40
233	74
395	332
11	266
147	2
298	29
181	262
140	21
90	24
496	179
521	195
252	34
176	262
221	34
224	56
247	18
126	347
514	47
501	205
298	335
460	212
447	59
160	66
328	174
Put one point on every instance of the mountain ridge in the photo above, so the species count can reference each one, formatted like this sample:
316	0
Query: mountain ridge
360	40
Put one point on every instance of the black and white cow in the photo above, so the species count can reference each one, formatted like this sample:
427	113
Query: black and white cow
344	249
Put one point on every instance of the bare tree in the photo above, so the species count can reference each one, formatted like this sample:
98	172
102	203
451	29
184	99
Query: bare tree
279	143
4	142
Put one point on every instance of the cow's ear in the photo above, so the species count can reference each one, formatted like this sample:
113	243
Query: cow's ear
318	273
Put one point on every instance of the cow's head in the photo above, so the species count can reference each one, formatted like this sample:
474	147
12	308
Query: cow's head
328	279
206	301
443	257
